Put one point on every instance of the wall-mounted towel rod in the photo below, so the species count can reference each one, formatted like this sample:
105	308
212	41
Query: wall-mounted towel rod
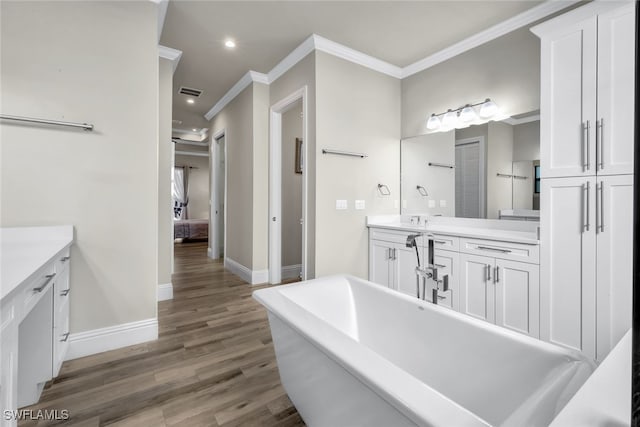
422	190
344	153
84	126
504	175
441	165
384	190
520	177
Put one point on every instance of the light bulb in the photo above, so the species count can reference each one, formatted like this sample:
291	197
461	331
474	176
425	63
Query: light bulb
468	114
488	109
433	123
230	43
449	120
190	100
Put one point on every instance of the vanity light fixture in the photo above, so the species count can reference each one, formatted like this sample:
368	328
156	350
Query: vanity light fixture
478	113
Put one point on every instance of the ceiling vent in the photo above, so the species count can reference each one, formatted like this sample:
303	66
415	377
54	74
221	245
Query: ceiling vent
190	91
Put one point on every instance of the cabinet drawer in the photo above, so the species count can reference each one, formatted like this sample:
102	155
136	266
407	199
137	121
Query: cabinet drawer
448	243
501	250
392	236
63	260
38	287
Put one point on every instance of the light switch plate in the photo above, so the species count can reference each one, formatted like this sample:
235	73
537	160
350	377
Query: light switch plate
443	203
359	204
404	204
396	204
341	204
432	203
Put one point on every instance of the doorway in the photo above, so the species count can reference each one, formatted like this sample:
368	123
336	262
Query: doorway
470	180
287	118
217	235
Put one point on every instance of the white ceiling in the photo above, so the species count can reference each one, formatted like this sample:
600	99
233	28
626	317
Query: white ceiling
399	32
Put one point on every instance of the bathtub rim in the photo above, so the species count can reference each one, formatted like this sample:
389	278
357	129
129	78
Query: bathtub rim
407	395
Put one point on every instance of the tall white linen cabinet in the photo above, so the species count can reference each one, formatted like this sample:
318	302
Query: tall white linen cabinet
586	149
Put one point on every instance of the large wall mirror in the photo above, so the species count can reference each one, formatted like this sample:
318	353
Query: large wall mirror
482	171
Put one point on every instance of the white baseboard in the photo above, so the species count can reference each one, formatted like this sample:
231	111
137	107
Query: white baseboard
253	277
291	271
165	291
98	340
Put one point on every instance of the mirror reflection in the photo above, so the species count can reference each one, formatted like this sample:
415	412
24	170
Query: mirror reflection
483	171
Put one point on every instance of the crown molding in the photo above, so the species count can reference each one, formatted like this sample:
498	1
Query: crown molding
246	80
319	43
296	55
525	18
171	54
357	57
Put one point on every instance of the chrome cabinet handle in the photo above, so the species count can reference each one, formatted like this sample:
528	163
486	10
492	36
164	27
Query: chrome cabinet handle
601	207
586	155
65	259
486	248
587	189
440	266
65	292
497	275
46	282
394	253
441	297
440	242
65	337
600	143
488	273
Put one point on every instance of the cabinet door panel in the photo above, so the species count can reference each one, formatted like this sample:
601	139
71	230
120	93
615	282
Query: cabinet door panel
568	263
380	271
615	261
568	101
518	297
616	53
477	292
405	265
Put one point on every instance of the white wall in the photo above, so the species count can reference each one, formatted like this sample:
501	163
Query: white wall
165	160
526	141
506	70
499	155
291	188
94	62
198	185
440	183
357	110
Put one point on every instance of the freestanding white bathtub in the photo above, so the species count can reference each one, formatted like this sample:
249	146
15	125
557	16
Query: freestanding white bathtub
353	353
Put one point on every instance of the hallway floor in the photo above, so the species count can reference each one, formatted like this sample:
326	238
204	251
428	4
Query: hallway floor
213	364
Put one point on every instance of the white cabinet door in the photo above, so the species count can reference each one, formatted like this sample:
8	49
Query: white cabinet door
477	291
447	263
568	101
380	270
568	263
405	269
518	296
615	260
616	54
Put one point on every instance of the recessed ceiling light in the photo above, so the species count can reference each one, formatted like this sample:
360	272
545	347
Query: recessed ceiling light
190	100
194	129
229	43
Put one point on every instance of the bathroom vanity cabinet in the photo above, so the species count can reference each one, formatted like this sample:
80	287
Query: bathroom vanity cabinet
492	280
34	311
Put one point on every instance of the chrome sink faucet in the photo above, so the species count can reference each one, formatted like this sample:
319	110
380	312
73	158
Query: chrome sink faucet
430	271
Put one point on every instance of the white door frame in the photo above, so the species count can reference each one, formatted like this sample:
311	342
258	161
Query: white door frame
482	177
275	183
214	197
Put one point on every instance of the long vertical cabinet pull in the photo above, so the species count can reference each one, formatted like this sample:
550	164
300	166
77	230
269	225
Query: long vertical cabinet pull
585	213
587	146
600	207
496	274
600	143
488	273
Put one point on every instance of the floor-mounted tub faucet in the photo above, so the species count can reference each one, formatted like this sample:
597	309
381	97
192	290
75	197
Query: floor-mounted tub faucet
430	271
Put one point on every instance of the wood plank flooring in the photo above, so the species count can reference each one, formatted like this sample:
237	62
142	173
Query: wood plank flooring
213	364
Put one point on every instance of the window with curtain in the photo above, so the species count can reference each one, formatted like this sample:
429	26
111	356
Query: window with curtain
180	192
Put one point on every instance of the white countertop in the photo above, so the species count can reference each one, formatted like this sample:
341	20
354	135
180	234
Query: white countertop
605	398
23	250
504	231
